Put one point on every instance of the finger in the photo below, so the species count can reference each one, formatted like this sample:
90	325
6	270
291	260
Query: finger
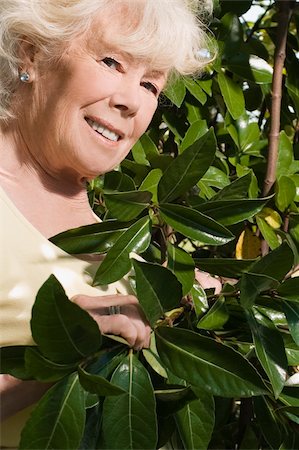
87	301
119	325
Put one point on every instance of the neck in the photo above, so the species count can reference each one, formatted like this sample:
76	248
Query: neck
51	202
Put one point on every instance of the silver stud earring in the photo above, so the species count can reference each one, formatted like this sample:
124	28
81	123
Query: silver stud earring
24	77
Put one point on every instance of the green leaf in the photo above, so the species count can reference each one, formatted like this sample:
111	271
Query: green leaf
13	361
291	310
215	177
229	212
285	192
269	348
195	89
182	265
196	130
195	225
276	264
250	67
42	369
237	189
118	181
96	384
199	299
251	285
224	267
127	205
266	419
176	92
158	290
96	238
64	332
268	233
207	364
289	289
144	150
117	262
129	420
187	169
232	94
216	317
285	156
195	421
150	183
58	420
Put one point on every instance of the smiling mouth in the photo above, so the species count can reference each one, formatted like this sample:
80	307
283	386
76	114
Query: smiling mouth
103	131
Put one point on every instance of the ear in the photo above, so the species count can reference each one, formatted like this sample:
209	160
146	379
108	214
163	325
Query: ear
28	55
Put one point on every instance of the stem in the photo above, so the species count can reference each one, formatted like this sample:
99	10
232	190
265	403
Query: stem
284	15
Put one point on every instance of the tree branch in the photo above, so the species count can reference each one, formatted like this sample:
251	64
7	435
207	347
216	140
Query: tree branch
285	9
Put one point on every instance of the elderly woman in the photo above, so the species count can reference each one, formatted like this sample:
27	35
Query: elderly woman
79	84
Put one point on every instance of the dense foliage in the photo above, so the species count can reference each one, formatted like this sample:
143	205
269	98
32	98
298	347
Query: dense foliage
214	185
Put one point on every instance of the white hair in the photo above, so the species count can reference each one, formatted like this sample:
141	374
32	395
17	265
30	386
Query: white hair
170	34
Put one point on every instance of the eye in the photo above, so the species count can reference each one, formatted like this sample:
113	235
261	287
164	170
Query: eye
110	62
150	87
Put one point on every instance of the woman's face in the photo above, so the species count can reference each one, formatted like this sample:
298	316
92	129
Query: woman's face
83	116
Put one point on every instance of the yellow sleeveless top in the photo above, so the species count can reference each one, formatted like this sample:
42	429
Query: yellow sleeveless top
27	259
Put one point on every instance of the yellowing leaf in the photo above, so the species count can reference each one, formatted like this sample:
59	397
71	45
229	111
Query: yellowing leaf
271	217
248	245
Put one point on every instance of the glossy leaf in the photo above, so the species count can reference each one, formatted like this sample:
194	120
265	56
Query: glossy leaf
196	90
195	421
276	264
285	156
195	225
232	95
269	426
158	290
127	205
117	263
129	420
58	420
215	177
229	212
216	317
225	267
150	183
250	67
187	169
196	130
269	349
268	233
96	384
13	361
285	192
176	92
63	331
42	369
237	189
289	289
182	265
199	299
95	238
207	364
291	310
251	285
118	181
144	150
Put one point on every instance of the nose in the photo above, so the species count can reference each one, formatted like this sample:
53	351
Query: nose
126	97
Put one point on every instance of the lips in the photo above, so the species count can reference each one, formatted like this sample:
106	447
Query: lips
104	129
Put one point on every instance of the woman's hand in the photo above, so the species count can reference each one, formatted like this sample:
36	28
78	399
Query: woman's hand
207	281
130	324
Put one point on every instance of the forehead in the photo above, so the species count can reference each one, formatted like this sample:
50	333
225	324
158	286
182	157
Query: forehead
122	27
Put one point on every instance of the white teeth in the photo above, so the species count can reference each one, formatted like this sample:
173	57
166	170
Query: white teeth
104	131
109	135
